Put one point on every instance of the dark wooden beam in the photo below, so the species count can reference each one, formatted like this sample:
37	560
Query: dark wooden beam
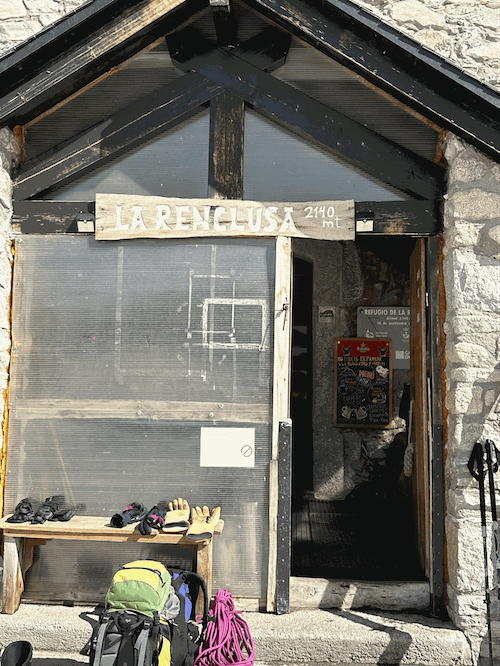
33	56
267	50
395	63
314	121
49	217
127	128
225	166
388	218
224	22
145	118
398	218
133	29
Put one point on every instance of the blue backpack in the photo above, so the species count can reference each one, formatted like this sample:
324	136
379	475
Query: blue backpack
188	629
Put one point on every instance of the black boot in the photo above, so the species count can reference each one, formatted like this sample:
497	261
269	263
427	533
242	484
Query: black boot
18	653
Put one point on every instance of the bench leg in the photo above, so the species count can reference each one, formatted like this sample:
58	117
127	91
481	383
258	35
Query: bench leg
204	568
13	567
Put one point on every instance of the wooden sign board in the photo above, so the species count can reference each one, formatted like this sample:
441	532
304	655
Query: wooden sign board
363	382
120	216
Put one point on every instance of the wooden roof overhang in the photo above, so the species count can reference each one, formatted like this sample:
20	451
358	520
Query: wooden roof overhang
99	36
86	44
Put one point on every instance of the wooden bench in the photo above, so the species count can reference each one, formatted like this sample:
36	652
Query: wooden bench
20	539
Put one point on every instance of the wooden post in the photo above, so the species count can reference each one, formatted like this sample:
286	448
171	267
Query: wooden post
13	566
204	556
225	177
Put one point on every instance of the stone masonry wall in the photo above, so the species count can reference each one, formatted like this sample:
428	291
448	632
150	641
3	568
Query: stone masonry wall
472	285
465	33
22	19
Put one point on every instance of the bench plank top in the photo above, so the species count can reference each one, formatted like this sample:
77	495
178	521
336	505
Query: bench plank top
94	528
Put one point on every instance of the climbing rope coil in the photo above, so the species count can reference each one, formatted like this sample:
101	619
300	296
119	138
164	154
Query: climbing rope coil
410	448
227	639
408	459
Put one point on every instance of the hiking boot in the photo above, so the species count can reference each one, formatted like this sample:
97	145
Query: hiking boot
18	653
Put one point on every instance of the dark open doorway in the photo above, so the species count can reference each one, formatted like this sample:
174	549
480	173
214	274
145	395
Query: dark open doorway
366	533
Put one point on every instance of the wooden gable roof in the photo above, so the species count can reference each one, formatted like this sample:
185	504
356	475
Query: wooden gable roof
100	35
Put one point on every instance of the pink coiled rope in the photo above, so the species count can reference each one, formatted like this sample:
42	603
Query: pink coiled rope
227	640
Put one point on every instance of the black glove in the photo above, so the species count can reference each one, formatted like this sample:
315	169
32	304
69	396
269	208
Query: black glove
24	511
64	514
130	514
48	509
154	519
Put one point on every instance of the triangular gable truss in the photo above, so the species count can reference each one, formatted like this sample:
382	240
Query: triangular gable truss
86	44
232	70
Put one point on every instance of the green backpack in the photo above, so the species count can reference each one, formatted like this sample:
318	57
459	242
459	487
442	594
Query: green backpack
130	631
141	586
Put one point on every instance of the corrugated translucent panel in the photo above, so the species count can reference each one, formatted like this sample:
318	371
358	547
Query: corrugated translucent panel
327	81
173	164
280	166
123	353
124	85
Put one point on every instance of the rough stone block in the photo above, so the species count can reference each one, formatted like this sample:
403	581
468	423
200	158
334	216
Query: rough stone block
472	282
473	355
467	399
15	32
472	375
475	204
43	6
472	322
465	556
437	40
10	148
466	235
410	11
10	9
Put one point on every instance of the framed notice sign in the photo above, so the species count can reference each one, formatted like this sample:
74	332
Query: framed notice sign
363	382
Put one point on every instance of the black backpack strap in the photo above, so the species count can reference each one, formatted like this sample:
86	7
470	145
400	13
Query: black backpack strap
98	638
149	632
128	626
194	582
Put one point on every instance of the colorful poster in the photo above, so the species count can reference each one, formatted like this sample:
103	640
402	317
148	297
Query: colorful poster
363	382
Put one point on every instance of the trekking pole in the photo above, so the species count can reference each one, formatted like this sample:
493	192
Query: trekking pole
476	468
492	464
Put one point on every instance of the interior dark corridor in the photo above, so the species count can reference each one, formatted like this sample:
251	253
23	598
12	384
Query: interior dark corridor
370	534
341	541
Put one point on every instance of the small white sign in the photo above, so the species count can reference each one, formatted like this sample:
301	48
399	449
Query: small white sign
227	447
364	225
86	226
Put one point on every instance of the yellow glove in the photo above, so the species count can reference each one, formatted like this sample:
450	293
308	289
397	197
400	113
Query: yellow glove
177	517
203	523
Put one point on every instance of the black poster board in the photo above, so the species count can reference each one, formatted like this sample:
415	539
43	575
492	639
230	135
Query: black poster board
363	382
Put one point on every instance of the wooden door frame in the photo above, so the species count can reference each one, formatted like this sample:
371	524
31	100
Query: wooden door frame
281	410
435	373
427	432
